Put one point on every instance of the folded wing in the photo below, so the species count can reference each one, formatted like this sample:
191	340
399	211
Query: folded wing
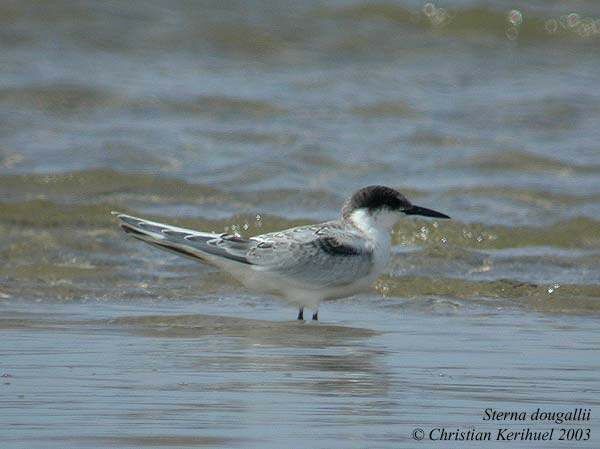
314	256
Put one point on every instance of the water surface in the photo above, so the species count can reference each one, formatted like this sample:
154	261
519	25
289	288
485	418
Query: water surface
254	116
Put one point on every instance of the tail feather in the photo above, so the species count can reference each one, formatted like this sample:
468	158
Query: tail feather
202	246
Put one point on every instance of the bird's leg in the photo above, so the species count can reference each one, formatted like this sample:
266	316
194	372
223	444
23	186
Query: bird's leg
301	313
316	315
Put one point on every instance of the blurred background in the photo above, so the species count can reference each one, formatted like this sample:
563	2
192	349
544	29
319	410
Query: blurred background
250	116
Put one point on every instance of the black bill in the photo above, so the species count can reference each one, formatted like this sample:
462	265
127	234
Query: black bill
417	210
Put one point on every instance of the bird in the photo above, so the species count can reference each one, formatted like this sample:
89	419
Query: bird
302	265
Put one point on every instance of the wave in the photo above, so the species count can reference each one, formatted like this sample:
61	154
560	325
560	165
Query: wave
96	185
578	232
215	105
72	98
97	190
60	98
470	21
385	109
536	198
574	233
565	298
291	33
517	160
86	198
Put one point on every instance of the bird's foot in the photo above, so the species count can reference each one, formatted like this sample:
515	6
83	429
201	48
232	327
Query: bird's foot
316	315
301	313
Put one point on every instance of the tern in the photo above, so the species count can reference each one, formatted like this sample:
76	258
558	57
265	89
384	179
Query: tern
303	265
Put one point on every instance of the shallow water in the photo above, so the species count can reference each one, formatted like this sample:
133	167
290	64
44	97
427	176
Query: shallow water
179	375
254	116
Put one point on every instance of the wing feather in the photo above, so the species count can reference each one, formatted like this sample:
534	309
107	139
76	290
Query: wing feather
184	241
317	255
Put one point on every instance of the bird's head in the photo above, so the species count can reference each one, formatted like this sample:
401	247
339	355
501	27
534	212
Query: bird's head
382	207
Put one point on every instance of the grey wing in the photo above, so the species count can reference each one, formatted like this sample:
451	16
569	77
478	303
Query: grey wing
319	255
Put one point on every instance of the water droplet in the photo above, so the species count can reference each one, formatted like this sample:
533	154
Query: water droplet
382	288
573	19
515	17
429	9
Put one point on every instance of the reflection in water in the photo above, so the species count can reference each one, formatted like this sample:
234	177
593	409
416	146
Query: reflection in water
146	376
317	358
251	332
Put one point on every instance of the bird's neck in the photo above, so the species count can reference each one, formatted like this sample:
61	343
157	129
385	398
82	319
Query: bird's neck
376	228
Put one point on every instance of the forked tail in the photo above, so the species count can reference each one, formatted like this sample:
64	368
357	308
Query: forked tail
202	246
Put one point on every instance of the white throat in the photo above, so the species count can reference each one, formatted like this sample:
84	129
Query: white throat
376	226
